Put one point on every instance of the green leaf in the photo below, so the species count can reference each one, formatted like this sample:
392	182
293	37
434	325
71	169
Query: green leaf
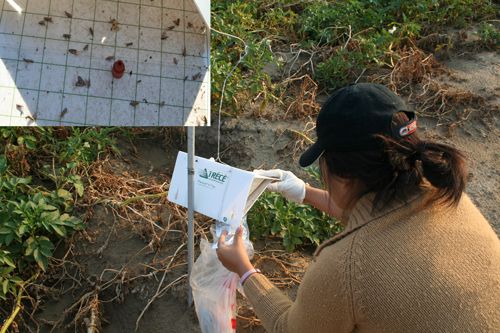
41	260
45	242
3	164
79	187
9	262
5	231
23	228
61	231
49	208
64	194
5	286
8	239
45	251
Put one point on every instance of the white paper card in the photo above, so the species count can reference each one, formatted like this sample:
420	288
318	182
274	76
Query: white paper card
221	192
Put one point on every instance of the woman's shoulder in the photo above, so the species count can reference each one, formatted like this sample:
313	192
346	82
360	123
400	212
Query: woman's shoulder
403	217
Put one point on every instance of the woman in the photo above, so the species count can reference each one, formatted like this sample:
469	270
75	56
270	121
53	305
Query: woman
415	256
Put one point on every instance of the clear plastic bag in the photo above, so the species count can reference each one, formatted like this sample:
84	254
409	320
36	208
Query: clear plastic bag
214	287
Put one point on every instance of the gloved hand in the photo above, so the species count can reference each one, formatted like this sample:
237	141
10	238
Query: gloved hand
289	185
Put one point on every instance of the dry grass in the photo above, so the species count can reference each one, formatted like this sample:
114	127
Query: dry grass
135	203
300	140
415	75
284	269
302	98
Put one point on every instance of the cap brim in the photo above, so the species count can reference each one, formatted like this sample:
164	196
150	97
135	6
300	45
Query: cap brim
311	154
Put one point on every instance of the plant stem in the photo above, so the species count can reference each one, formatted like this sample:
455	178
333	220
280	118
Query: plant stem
11	318
141	197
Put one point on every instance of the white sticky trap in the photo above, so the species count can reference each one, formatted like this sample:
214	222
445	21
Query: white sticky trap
222	192
56	59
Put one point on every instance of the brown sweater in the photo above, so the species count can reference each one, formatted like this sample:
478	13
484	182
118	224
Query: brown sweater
407	269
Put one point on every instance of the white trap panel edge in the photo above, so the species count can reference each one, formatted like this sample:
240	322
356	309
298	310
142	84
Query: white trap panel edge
56	58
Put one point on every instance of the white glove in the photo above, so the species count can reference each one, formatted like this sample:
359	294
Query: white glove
291	187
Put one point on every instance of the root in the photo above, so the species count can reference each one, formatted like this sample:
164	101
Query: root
93	324
160	291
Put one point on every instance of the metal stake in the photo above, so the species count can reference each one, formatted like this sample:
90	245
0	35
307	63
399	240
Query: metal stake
190	174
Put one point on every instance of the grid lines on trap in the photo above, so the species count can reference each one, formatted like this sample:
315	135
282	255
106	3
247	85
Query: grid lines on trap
169	77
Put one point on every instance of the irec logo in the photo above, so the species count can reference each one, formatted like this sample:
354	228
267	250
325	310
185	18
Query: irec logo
215	176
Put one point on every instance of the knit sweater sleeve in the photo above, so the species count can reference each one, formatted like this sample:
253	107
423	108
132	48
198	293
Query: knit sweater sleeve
323	302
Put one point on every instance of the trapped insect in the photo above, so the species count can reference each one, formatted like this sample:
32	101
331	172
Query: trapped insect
31	118
114	25
63	113
197	76
80	82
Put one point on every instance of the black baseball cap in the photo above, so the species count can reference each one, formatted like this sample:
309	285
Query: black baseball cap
351	117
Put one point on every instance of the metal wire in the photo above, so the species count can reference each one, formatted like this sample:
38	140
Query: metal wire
242	56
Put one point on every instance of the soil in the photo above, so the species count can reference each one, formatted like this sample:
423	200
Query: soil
112	244
250	144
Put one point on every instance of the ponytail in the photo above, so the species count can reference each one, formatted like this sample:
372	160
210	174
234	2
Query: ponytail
441	165
444	167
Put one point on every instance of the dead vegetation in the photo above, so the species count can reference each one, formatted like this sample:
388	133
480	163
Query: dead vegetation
137	204
284	269
302	100
418	76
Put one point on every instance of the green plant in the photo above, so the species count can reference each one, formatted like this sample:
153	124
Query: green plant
296	224
490	35
40	177
29	218
258	23
346	37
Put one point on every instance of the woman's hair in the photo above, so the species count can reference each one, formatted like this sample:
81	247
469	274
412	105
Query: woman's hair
400	167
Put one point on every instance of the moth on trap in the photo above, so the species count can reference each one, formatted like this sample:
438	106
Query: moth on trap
63	113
